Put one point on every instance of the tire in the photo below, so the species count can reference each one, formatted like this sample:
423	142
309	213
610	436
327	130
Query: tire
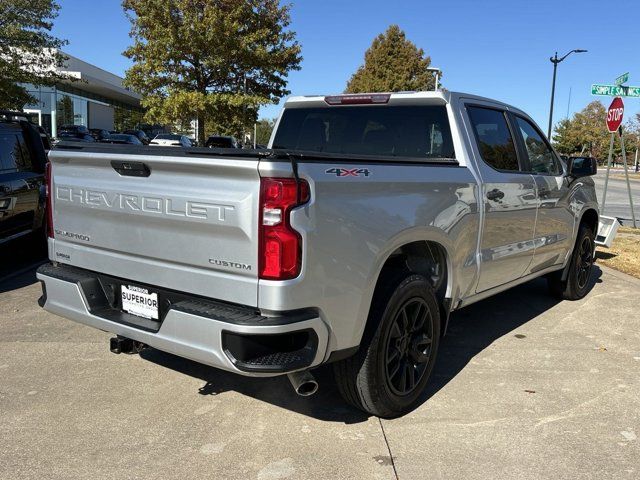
398	351
577	283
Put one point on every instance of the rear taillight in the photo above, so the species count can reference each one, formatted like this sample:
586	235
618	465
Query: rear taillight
280	253
48	176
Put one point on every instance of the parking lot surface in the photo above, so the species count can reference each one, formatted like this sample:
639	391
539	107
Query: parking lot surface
525	387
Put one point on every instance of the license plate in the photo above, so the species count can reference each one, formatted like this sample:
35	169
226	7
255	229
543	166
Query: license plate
139	301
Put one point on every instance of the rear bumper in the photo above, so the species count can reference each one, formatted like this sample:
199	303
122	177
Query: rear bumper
230	337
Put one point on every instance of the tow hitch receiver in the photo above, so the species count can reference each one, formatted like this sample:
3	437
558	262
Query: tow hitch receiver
125	345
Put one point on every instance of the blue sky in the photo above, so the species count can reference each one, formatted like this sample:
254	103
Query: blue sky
495	48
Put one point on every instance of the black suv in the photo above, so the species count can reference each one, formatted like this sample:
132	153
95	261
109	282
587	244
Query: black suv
22	176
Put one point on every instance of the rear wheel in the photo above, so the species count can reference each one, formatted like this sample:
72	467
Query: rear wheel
394	362
577	283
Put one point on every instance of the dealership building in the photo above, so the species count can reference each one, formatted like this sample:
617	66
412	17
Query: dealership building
91	97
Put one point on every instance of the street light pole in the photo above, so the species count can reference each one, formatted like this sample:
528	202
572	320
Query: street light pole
555	60
437	71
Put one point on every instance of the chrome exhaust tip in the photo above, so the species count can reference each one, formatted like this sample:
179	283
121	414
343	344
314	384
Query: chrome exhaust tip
304	383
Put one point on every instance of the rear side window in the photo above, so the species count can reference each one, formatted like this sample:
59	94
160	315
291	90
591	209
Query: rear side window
411	131
494	138
12	152
541	157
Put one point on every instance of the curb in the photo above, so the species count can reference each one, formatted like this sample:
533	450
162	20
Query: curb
618	274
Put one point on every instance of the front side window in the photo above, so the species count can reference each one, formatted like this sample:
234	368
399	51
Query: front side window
395	131
494	138
541	157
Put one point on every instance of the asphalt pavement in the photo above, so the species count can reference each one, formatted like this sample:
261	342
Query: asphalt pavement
525	387
617	201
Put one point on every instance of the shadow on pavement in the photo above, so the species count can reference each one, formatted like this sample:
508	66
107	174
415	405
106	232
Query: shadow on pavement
474	328
19	260
605	255
471	330
325	405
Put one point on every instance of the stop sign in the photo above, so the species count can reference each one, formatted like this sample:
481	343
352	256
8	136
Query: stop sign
614	114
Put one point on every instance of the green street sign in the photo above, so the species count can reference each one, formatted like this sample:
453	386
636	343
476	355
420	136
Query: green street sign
614	90
622	79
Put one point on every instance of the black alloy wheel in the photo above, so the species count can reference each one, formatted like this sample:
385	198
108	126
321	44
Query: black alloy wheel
408	346
585	262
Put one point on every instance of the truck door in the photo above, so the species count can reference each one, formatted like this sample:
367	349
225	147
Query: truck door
509	196
554	223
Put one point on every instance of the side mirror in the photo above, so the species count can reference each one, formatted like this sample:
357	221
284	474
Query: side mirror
582	166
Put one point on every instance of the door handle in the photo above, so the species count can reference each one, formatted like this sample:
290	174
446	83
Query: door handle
495	194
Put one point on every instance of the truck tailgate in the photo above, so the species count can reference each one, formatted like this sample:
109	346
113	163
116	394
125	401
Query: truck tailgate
190	225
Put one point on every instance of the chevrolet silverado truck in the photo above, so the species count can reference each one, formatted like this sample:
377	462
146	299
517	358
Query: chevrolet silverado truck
350	240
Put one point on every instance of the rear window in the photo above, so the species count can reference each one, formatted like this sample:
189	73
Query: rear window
494	138
416	131
13	152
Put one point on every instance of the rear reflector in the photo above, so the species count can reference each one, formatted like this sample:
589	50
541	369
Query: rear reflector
280	254
358	99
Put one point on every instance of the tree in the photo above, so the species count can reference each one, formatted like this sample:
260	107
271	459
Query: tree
214	60
28	51
263	130
586	133
392	64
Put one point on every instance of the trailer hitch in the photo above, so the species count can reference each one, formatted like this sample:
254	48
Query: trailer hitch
122	344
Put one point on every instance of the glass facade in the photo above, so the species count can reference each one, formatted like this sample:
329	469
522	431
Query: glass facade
66	105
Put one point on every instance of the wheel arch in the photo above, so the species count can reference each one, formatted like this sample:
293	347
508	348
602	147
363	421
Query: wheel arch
590	218
418	256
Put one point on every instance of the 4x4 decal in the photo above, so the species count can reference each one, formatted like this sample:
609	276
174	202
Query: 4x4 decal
348	172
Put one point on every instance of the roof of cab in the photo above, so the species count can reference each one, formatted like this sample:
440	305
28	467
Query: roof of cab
438	97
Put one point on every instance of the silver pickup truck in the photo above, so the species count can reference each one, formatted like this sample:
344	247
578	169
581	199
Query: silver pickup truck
349	241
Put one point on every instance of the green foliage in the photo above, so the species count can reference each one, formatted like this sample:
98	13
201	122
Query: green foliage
28	51
263	130
392	64
126	119
586	132
214	60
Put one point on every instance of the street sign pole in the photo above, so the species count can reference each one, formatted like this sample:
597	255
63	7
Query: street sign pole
606	179
626	174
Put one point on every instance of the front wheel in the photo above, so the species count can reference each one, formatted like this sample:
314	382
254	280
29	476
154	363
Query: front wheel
398	353
577	283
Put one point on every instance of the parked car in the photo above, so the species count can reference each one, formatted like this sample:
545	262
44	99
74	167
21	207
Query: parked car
139	134
75	133
220	141
22	177
370	221
171	140
99	134
123	139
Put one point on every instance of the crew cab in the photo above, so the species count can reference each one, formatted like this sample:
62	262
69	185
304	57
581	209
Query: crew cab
350	240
